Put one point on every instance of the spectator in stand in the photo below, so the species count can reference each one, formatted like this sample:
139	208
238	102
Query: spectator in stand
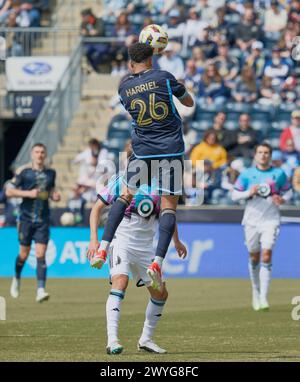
114	7
209	149
151	8
226	138
280	160
30	12
91	26
294	13
289	93
245	139
224	30
119	51
227	66
248	31
275	20
193	25
199	58
208	46
211	181
231	173
212	89
171	62
14	41
91	162
268	94
95	150
192	76
291	134
175	28
5	6
189	137
278	68
256	59
287	40
208	12
246	87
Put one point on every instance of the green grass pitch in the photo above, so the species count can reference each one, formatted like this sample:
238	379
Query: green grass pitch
204	320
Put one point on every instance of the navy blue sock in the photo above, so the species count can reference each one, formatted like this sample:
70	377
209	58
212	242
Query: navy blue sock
167	224
41	272
115	217
19	266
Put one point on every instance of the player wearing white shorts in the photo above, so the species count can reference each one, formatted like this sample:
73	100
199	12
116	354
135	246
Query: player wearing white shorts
132	252
265	188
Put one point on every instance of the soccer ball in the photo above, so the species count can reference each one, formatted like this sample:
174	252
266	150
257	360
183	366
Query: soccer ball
155	36
67	219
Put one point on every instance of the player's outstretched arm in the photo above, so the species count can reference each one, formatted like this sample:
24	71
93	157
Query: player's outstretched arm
180	247
94	224
243	195
16	193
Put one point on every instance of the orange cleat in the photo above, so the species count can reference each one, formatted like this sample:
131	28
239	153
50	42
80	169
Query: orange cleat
98	259
154	272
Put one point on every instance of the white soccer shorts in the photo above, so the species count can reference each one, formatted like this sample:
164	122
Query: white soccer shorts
126	261
260	237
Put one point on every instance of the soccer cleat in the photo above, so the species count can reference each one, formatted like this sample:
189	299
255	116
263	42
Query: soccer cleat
98	259
150	347
114	348
15	288
255	301
154	272
42	295
264	305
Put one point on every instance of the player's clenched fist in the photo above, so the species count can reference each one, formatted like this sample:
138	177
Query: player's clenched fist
92	249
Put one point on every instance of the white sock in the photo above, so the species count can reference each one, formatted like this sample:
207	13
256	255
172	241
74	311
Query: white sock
254	276
158	260
265	279
153	314
104	245
113	312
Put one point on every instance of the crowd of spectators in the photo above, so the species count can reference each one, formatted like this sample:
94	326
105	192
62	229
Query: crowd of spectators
235	57
21	14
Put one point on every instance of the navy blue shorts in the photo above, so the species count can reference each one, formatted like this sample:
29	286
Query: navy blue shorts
37	232
164	175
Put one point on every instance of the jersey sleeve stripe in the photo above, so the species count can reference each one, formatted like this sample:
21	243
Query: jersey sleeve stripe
171	96
102	199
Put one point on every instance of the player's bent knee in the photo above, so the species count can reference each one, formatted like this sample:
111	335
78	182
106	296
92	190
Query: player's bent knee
159	295
120	282
24	252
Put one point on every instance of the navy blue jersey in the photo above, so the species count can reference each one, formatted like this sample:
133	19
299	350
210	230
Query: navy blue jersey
157	126
35	210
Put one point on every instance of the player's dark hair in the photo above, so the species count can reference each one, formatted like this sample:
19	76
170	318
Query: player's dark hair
140	52
39	145
264	144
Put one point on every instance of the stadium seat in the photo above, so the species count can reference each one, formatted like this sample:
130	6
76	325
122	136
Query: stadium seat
202	115
273	138
238	107
231	125
201	125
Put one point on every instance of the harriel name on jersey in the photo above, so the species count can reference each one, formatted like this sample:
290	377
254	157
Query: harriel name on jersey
157	126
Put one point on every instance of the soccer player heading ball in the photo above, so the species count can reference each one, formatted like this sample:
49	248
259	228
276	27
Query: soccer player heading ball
264	188
147	94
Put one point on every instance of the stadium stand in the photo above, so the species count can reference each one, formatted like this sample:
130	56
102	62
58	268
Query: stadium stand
233	62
